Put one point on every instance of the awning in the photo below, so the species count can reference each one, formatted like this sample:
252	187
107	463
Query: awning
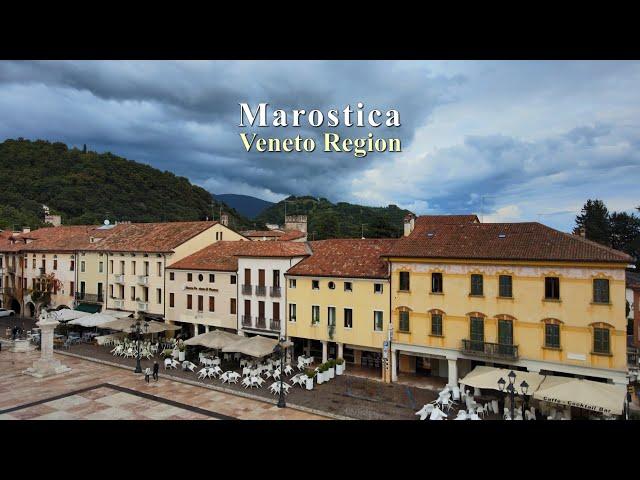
66	314
124	325
596	396
257	346
217	339
487	377
88	307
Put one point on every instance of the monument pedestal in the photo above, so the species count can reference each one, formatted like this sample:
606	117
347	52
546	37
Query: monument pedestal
46	366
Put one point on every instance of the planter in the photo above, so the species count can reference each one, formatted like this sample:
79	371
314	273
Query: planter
309	384
320	377
174	354
332	372
181	356
339	369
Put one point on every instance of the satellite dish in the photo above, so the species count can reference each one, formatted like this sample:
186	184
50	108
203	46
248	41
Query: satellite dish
106	222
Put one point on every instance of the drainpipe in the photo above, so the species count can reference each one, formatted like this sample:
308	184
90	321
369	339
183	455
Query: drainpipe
164	285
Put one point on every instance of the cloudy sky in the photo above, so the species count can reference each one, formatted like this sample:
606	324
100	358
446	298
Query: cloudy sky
515	141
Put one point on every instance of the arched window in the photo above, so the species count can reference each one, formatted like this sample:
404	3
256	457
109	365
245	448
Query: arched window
476	331
437	323
403	319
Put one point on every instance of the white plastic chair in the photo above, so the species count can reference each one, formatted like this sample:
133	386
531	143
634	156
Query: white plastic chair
480	411
246	382
462	415
288	370
202	373
167	363
233	377
224	377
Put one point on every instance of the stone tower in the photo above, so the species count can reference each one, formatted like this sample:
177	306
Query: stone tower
295	222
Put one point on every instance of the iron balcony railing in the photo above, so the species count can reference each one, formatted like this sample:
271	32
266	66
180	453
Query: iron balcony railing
261	322
487	349
143	306
275	292
143	280
246	289
261	290
118	278
274	324
89	297
246	320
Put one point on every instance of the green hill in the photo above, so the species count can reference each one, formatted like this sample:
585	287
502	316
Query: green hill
88	187
340	220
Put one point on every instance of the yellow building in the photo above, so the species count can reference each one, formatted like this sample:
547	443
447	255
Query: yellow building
519	295
124	269
338	302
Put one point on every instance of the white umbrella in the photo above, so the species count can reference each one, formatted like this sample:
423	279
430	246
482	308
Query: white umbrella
117	313
257	346
215	339
94	320
124	325
487	377
66	314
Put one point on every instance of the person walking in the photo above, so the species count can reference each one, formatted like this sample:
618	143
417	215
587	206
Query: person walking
156	369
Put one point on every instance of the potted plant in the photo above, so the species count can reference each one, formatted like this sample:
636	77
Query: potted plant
181	352
331	368
167	353
320	374
340	366
309	382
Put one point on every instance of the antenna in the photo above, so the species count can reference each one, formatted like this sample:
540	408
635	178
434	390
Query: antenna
482	197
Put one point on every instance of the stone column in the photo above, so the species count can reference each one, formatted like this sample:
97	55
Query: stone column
340	350
308	348
394	365
46	365
324	351
453	371
207	328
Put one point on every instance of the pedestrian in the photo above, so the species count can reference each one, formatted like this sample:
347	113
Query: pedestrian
156	369
147	373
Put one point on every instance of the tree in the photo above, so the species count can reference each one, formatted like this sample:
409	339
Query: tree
594	222
45	286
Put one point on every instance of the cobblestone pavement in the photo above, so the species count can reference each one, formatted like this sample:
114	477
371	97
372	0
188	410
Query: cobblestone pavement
95	391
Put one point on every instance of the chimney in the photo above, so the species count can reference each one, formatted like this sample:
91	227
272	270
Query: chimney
224	219
409	224
582	232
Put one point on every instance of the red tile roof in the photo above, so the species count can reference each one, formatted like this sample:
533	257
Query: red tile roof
149	237
501	241
279	235
425	220
348	258
292	235
66	238
223	256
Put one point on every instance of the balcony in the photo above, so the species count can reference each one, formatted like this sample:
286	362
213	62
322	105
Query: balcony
118	303
143	306
261	290
89	297
119	279
246	321
143	280
261	322
274	324
275	292
246	289
491	350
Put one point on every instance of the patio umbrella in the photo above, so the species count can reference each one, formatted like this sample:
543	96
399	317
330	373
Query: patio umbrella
487	377
574	392
215	339
93	320
124	325
66	314
257	346
117	313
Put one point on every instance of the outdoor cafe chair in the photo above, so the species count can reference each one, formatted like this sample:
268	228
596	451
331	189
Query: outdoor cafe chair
294	380
475	416
224	377
275	387
246	371
267	373
259	380
480	410
462	415
276	374
211	372
286	387
425	411
456	393
288	369
246	382
301	366
233	376
167	363
217	370
202	373
506	415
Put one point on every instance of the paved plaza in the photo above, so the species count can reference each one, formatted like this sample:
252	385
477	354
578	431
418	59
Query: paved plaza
92	391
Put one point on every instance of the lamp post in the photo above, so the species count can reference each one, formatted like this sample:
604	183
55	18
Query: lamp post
512	392
279	349
138	327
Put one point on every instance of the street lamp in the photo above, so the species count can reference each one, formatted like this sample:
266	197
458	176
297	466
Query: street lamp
138	327
280	350
512	392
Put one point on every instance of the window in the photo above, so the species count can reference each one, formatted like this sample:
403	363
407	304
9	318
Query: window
133	293
377	320
551	335
34	262
189	302
55	263
477	333
158	295
276	278
159	268
171	276
72	266
377	288
232	306
100	267
332	285
110	266
189	277
200	277
403	325
292	312
171	300
315	284
145	294
212	278
476	284
505	288
436	324
552	288
247	276
601	340
404	281
601	290
212	304
72	287
315	314
146	269
232	279
331	316
292	283
348	287
133	267
200	303
122	272
348	318
436	282
82	266
111	291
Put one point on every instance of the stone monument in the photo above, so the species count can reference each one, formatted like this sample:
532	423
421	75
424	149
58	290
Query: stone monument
47	365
